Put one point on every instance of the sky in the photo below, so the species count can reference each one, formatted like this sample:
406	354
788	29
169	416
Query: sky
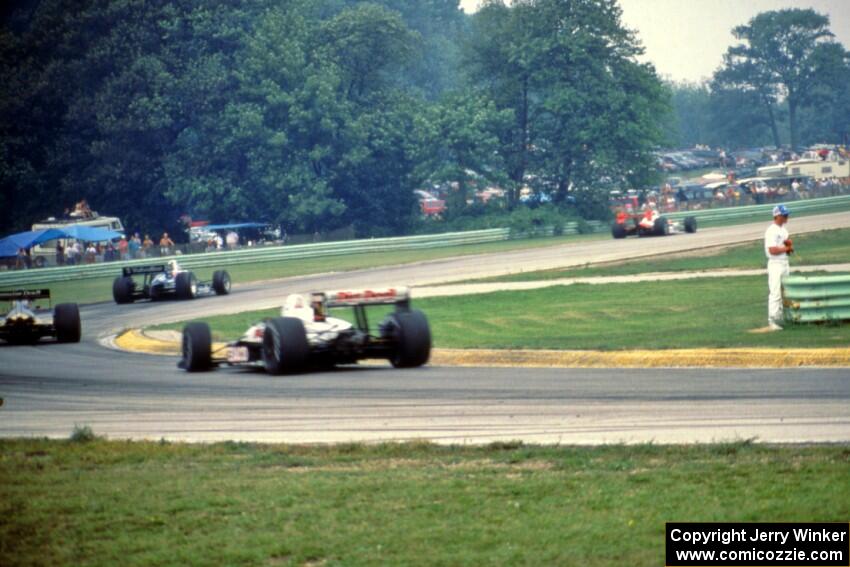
686	39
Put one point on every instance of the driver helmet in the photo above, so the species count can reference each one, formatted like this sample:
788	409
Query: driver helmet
781	210
296	306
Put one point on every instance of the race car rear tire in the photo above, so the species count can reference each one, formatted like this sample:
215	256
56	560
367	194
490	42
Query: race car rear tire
285	347
66	321
122	289
412	334
185	285
661	227
690	225
221	282
196	347
618	230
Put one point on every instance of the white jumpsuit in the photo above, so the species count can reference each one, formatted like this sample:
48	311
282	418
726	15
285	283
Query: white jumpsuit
777	266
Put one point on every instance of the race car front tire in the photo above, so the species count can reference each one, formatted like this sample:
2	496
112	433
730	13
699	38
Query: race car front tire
285	347
412	335
221	282
186	285
618	230
122	290
661	227
66	321
690	225
196	347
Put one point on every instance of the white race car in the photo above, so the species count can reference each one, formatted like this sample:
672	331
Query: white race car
304	336
164	280
26	323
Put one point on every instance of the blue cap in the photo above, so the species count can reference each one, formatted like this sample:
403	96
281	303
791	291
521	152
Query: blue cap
781	210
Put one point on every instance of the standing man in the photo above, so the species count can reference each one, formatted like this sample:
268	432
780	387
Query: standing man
134	246
165	245
777	248
147	246
124	248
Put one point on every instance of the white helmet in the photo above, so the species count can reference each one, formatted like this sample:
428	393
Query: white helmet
297	306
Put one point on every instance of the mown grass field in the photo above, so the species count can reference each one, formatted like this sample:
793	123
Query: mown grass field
653	315
100	289
826	247
142	503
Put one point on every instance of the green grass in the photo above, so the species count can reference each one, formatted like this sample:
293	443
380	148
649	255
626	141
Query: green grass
654	315
142	503
100	289
825	247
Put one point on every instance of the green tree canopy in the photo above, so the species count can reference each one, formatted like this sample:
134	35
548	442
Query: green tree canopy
782	57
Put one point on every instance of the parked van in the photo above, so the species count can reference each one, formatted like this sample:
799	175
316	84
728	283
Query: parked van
832	165
45	254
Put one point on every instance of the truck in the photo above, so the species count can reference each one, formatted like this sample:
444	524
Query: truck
44	254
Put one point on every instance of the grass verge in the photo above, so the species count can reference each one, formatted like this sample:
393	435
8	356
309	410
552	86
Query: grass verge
100	289
699	313
826	247
141	503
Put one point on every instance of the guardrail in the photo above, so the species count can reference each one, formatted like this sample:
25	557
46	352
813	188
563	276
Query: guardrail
329	249
811	299
799	206
274	254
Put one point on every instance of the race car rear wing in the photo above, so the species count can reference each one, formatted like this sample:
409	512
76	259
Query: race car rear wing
20	294
153	269
387	296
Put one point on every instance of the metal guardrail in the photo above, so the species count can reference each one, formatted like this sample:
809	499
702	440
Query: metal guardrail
805	205
274	254
329	249
810	299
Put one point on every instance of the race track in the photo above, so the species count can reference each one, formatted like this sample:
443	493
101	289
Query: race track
47	389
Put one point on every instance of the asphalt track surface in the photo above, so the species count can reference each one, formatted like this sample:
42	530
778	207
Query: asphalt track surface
47	389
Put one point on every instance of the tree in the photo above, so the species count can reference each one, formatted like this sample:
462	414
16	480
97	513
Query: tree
581	102
691	121
779	58
466	143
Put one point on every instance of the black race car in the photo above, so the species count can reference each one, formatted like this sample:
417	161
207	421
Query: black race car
306	337
166	280
26	323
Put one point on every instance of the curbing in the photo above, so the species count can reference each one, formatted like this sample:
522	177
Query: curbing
135	340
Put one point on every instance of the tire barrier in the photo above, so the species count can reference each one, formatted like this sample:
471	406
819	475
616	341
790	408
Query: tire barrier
821	299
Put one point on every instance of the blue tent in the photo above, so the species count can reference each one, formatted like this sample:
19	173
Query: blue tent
89	233
10	245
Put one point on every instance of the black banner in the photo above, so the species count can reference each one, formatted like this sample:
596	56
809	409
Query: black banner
136	270
24	294
758	544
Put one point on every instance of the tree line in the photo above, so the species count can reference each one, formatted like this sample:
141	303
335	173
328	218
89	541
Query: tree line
786	81
319	114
